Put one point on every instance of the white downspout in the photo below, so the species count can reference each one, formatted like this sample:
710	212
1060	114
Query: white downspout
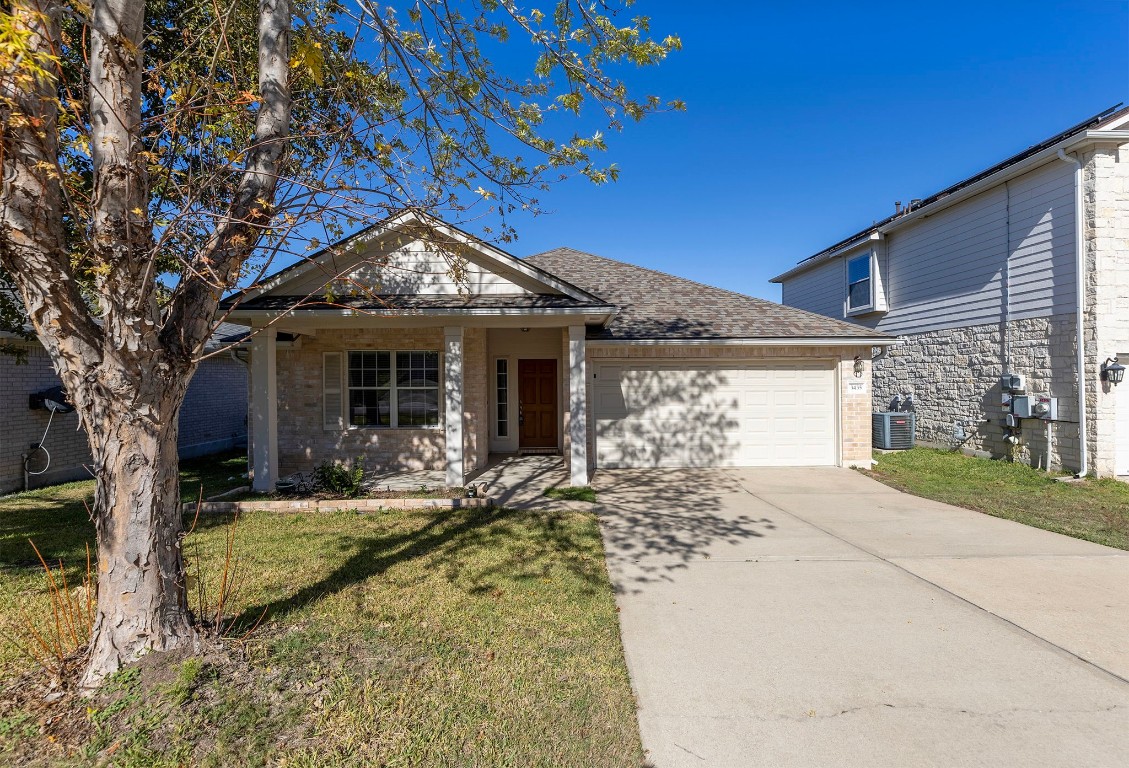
1080	278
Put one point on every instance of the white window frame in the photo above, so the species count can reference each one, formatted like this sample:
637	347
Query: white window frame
872	268
393	389
497	413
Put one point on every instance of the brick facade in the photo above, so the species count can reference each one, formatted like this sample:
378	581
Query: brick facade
213	419
303	442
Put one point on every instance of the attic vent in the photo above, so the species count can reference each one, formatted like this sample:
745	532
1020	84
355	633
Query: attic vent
893	431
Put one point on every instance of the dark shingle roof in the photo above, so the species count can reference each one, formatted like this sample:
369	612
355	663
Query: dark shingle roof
655	305
412	302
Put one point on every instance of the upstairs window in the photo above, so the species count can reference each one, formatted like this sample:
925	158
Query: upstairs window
860	293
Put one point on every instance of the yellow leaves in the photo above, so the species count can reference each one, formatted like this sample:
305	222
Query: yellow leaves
308	54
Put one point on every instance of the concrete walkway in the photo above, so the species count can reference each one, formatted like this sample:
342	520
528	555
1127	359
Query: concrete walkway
814	617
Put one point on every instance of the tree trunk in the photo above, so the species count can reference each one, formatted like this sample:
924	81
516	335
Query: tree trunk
142	603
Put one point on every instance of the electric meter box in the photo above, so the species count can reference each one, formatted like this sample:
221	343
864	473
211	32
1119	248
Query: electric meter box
1013	383
1031	407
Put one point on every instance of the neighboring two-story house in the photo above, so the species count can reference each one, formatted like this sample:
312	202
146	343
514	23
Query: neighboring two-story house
983	279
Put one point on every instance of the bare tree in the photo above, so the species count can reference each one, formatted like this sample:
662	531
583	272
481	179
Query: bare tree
156	155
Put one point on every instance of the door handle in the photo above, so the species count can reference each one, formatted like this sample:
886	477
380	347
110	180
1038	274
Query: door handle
520	413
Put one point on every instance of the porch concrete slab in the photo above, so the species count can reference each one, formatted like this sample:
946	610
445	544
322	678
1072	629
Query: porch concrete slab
520	481
756	635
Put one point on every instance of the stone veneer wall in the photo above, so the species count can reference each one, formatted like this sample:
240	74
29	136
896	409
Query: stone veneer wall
303	443
854	417
953	375
1106	194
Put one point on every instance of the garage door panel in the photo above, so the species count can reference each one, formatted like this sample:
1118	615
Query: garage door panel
696	414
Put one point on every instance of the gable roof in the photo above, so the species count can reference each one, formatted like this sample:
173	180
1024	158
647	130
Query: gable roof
657	306
1112	121
263	292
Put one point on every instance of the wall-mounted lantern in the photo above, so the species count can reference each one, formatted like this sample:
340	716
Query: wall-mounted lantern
1112	371
859	367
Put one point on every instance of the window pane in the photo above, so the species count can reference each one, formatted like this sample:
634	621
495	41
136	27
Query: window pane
370	407
858	294
417	369
418	408
858	269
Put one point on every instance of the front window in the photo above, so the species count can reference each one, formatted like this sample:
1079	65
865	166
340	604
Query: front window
394	389
858	283
503	397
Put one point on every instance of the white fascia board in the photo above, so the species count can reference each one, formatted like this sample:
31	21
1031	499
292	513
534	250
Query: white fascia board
262	315
493	254
806	341
854	245
1070	144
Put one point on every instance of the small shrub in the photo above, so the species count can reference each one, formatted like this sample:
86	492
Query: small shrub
340	479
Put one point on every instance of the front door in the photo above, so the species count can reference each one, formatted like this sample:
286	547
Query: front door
537	403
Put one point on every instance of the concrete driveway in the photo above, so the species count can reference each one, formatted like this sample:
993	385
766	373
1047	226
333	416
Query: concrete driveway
814	617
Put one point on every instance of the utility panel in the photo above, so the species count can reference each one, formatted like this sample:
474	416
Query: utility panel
1032	407
1013	383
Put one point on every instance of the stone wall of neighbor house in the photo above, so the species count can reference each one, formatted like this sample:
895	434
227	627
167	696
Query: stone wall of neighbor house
854	406
212	419
1106	190
954	375
303	442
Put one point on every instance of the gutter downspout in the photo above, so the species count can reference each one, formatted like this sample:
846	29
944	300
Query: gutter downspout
1080	278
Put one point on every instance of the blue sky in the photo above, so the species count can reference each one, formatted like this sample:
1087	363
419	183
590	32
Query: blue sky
805	122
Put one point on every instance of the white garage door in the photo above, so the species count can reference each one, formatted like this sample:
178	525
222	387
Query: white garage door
693	414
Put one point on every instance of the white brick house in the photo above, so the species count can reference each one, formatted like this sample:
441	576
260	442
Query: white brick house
985	278
415	346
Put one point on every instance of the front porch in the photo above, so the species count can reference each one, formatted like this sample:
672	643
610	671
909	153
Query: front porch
413	402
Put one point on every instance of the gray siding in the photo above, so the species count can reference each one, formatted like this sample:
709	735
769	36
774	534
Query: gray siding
1008	248
820	290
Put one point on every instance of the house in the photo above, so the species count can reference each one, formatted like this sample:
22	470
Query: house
213	418
417	346
989	277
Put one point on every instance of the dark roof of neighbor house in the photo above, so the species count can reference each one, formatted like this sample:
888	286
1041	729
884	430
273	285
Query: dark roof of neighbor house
1116	111
655	305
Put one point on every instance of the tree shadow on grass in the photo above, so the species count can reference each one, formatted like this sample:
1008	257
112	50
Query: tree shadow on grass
475	548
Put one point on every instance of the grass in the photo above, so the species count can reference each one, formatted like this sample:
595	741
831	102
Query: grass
1095	510
571	493
476	637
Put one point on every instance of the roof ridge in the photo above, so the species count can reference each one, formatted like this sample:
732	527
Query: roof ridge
652	271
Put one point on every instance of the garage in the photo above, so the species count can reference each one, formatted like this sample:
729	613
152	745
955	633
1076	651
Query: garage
697	414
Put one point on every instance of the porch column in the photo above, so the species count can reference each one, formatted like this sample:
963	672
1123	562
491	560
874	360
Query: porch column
453	403
577	407
264	409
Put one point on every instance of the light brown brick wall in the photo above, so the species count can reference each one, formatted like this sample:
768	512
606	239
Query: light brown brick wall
303	443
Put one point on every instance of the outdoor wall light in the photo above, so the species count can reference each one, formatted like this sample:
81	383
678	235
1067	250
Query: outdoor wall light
1112	371
859	367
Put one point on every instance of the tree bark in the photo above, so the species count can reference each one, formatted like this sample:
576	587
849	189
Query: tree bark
141	597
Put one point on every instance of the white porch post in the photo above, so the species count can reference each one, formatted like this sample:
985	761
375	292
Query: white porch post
453	403
264	409
577	407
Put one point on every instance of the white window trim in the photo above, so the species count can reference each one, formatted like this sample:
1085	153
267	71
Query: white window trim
393	402
870	305
509	399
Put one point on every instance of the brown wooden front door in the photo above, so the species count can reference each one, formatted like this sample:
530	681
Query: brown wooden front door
537	403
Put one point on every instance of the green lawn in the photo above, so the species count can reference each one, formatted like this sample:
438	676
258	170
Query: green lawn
1095	510
571	493
476	637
